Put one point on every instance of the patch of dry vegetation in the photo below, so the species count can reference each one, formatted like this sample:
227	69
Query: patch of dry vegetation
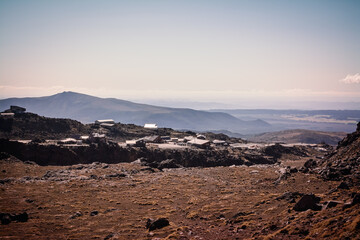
212	203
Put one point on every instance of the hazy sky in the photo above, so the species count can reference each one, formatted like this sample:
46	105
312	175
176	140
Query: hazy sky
200	50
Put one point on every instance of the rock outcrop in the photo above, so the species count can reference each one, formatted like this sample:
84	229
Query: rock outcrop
344	162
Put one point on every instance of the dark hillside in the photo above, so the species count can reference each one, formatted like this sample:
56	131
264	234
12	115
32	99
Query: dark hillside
31	126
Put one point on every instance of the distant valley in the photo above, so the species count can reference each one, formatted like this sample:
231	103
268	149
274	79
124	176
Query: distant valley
316	120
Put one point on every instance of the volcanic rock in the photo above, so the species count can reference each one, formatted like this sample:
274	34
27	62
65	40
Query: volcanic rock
6	218
157	224
308	202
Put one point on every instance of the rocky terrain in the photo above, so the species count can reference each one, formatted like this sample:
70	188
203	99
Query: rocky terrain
32	126
104	191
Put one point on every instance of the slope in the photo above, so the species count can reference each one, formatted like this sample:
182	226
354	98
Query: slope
86	108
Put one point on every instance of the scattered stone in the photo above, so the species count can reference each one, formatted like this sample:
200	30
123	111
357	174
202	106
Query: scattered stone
77	214
241	214
6	180
93	176
331	204
109	236
284	174
157	224
273	227
116	175
168	163
6	218
346	205
356	199
308	202
150	169
311	163
94	213
343	185
290	196
110	210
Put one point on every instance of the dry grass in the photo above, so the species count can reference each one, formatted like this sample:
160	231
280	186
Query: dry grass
199	202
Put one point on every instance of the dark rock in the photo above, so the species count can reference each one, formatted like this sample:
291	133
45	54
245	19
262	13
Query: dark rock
343	185
346	205
311	163
147	169
6	180
109	236
356	199
157	224
94	213
148	222
240	214
273	227
77	214
29	200
307	202
289	196
331	204
4	155
168	163
110	210
22	217
293	170
116	175
5	218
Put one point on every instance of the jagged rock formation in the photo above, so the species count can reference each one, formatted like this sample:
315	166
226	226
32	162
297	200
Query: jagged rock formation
344	162
108	152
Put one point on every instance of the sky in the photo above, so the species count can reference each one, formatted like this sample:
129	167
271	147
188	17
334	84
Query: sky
220	51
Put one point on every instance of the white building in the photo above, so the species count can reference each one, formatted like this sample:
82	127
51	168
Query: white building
150	125
106	121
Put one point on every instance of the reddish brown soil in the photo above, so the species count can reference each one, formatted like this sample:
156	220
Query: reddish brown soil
200	203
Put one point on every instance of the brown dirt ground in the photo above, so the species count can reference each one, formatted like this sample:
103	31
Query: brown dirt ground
200	203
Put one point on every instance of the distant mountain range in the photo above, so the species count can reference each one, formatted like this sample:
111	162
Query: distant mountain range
86	108
299	136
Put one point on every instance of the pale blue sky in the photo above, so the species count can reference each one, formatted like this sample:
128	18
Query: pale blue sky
200	50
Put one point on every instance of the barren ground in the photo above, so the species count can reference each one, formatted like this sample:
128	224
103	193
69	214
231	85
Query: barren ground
236	202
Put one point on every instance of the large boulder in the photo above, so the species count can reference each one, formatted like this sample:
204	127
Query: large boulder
309	201
157	224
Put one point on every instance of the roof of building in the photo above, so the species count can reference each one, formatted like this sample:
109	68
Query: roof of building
150	125
105	121
151	138
197	141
